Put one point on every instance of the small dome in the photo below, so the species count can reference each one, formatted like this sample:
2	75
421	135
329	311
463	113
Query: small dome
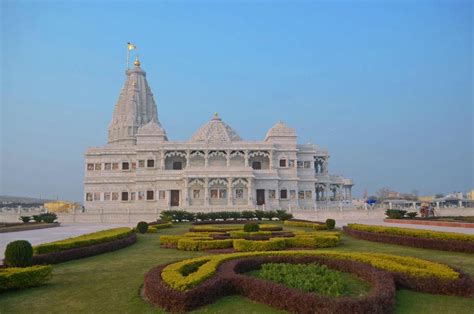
280	129
215	131
152	128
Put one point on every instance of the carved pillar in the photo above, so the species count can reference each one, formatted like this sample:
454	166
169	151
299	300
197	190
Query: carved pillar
229	192
206	158
327	192
271	159
188	157
186	192
246	157
228	157
324	169
162	162
250	193
206	191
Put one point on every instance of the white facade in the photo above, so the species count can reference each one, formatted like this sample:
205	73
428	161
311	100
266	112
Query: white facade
140	170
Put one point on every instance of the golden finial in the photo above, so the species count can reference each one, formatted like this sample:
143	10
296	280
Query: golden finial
136	62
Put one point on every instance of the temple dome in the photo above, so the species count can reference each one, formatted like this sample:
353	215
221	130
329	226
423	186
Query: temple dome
215	131
280	129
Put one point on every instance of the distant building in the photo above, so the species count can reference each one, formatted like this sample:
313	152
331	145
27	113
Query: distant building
141	170
61	206
470	195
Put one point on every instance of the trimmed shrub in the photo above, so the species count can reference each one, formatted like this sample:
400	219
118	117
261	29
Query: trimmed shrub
251	227
25	219
314	242
86	251
330	224
305	223
404	265
248	214
214	228
37	218
414	241
259	214
18	254
243	234
395	213
48	217
419	233
270	227
83	240
18	278
196	244
151	230
142	227
412	215
273	244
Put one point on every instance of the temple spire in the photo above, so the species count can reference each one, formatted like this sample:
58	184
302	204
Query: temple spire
135	107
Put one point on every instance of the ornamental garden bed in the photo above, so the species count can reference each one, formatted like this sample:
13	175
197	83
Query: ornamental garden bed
185	285
427	239
433	222
241	241
83	246
15	227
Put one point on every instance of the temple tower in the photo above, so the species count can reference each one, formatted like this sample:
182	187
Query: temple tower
134	109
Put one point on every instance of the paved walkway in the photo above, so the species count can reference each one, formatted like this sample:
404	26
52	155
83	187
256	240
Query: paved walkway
64	231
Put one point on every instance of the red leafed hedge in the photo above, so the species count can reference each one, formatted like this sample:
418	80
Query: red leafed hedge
229	280
86	251
425	243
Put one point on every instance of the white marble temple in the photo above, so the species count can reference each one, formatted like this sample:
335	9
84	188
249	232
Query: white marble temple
141	170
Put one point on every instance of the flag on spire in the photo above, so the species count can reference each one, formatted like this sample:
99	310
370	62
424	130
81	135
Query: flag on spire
131	46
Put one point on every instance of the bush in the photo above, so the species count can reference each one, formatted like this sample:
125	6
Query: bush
37	218
48	217
305	223
251	227
282	215
259	214
419	233
83	240
330	224
142	227
25	219
196	244
412	215
18	278
311	241
151	230
270	227
395	213
248	214
18	254
273	244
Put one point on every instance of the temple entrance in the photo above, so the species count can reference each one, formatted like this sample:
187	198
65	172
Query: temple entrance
174	197
260	197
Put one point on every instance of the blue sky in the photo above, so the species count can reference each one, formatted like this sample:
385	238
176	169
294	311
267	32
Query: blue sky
386	86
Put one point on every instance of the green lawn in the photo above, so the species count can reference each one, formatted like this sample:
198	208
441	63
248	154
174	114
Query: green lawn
111	282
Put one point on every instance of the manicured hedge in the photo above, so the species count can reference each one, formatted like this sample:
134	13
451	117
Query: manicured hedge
306	223
229	280
427	243
84	251
196	244
410	266
242	234
270	227
418	233
215	228
276	244
83	240
22	277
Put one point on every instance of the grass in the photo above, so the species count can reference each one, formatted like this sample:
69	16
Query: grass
111	282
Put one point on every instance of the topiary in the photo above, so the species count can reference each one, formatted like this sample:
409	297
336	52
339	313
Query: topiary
330	224
37	218
18	254
142	227
411	215
48	217
251	227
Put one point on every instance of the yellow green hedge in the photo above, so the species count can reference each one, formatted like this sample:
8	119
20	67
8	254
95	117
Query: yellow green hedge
403	264
216	228
83	240
241	234
17	278
314	225
418	233
162	225
199	244
276	244
173	239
